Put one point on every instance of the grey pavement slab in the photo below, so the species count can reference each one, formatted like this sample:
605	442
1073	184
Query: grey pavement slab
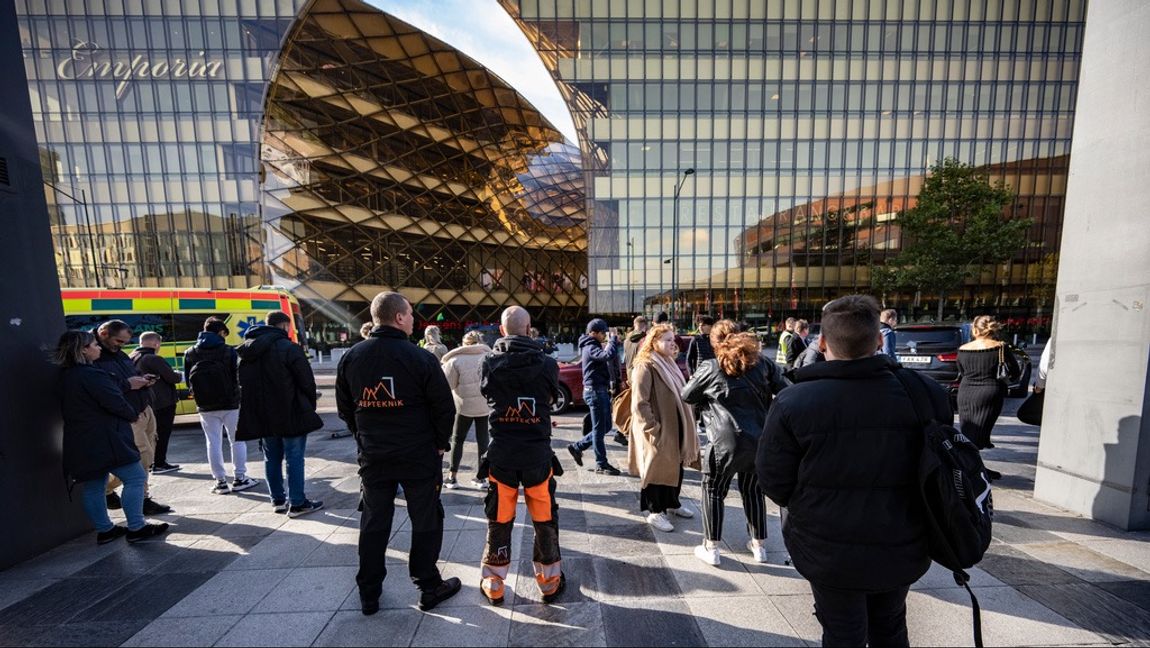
234	573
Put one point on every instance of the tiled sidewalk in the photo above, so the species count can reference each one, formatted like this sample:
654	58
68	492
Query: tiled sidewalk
231	572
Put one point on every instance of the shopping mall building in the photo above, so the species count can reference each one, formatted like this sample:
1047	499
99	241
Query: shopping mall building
330	148
323	146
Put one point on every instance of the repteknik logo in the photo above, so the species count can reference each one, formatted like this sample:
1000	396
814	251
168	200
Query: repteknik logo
382	395
522	412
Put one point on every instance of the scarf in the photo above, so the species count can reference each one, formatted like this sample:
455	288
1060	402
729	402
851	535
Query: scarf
669	373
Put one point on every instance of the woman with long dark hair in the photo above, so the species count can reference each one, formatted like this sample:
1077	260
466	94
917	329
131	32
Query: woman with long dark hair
982	365
98	440
736	388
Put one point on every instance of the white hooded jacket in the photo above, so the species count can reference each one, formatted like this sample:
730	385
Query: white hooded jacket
462	367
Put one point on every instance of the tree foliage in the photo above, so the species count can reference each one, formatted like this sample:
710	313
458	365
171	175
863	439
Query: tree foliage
959	224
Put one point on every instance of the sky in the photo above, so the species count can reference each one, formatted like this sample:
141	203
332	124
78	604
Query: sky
485	31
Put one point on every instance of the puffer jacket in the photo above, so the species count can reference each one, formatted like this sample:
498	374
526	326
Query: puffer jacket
462	368
277	387
840	450
734	413
97	423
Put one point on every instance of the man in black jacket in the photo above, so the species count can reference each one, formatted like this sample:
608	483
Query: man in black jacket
212	369
840	450
277	406
699	350
113	336
520	382
148	361
398	405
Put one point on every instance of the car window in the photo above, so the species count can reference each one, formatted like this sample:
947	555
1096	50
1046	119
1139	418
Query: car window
929	337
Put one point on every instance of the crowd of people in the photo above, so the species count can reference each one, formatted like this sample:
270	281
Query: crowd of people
825	430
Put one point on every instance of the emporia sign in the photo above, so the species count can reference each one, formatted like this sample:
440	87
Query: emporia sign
89	60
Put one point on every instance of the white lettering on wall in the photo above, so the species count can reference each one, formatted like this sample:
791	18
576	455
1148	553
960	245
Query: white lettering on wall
88	60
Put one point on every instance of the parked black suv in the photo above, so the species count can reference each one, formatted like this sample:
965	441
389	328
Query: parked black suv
933	350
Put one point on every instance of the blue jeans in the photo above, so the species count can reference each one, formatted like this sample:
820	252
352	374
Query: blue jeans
599	402
276	449
96	503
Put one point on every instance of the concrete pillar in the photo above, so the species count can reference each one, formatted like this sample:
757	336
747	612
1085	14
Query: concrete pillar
38	514
1094	452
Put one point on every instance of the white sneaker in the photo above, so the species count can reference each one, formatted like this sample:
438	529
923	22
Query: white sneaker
479	484
708	555
682	512
758	550
221	487
660	521
244	483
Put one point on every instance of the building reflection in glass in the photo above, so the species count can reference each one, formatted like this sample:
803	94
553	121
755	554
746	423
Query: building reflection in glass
393	161
795	114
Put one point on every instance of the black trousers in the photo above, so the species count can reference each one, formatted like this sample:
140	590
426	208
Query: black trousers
459	436
426	513
164	419
715	489
860	618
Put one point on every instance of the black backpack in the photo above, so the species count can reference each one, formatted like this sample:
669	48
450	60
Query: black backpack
212	382
955	493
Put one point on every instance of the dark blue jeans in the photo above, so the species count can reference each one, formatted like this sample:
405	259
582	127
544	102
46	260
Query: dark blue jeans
599	402
276	450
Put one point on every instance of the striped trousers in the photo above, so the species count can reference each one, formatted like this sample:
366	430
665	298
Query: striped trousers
715	489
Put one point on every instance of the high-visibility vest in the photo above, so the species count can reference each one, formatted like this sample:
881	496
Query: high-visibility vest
784	344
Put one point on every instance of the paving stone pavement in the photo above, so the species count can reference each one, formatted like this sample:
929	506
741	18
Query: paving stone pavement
232	573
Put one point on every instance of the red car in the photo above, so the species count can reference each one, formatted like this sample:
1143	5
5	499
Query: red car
571	379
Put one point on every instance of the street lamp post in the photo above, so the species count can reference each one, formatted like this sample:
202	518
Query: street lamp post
675	244
631	270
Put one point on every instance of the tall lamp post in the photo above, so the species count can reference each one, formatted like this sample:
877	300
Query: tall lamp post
675	244
631	270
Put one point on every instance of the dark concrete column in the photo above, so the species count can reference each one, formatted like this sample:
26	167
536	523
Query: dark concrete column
38	512
1094	453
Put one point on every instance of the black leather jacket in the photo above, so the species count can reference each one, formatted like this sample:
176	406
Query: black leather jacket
735	411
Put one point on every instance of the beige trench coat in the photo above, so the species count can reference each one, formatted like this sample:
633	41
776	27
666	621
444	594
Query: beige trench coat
654	451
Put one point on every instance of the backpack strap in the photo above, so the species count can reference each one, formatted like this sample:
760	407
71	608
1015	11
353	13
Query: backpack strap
918	396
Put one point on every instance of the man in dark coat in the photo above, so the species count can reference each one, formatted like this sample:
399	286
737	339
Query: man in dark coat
700	350
113	336
148	361
840	450
398	405
598	356
277	405
519	382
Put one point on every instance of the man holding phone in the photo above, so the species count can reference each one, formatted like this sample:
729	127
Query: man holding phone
599	352
113	335
164	380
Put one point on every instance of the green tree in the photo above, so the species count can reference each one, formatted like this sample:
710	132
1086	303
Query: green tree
959	224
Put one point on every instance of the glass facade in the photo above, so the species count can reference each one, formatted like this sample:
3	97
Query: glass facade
148	117
809	124
393	161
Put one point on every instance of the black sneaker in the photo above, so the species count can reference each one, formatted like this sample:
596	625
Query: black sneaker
280	506
446	589
369	607
115	533
607	469
620	438
576	454
147	532
114	503
162	468
152	507
308	506
558	590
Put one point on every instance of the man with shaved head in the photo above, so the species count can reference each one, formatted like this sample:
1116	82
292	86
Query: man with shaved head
519	382
398	405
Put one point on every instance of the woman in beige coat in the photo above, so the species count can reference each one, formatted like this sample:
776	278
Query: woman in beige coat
663	438
462	368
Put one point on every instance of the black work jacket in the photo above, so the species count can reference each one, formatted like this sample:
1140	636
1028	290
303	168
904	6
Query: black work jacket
122	368
519	382
397	402
734	412
841	450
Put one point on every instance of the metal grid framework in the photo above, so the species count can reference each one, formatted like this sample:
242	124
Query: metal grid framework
394	162
809	124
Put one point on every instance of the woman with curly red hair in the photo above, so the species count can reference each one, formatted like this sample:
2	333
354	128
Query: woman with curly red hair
735	390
